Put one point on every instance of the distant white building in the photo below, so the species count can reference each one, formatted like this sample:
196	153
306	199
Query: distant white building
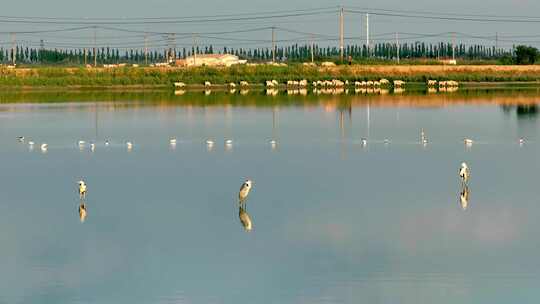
210	60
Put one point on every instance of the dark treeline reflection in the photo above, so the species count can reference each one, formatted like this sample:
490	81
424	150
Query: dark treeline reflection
524	111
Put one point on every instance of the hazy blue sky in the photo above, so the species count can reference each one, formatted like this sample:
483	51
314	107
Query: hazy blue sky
324	24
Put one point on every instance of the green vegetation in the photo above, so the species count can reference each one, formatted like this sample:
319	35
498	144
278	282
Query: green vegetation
165	77
526	54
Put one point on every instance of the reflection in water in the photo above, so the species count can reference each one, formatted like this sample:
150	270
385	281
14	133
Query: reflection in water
245	219
228	144
464	198
209	145
527	111
82	212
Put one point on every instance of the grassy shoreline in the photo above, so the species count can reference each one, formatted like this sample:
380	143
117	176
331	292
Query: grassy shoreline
153	78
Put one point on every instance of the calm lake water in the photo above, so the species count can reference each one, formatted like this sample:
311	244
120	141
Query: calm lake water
332	221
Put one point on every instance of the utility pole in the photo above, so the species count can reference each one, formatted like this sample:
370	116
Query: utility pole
13	46
194	49
453	46
174	45
341	44
145	49
312	51
367	32
397	46
273	45
95	47
496	43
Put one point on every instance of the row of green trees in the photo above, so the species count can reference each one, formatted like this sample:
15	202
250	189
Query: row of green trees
293	53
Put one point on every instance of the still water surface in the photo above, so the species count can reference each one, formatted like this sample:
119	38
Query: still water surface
332	221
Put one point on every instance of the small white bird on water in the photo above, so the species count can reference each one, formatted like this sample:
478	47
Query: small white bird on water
464	173
363	141
228	142
423	138
172	141
521	141
244	190
468	142
82	189
273	143
44	147
129	145
106	142
20	138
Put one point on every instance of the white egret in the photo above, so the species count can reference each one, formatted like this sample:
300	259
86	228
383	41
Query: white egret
464	173
82	189
363	141
244	190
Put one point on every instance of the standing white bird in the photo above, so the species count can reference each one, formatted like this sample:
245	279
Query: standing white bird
245	219
82	189
363	141
244	190
82	212
92	147
464	173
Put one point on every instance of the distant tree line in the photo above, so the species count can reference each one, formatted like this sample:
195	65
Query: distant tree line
292	53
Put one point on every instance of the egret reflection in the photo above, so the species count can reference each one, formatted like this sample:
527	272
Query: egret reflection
82	212
464	198
245	219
